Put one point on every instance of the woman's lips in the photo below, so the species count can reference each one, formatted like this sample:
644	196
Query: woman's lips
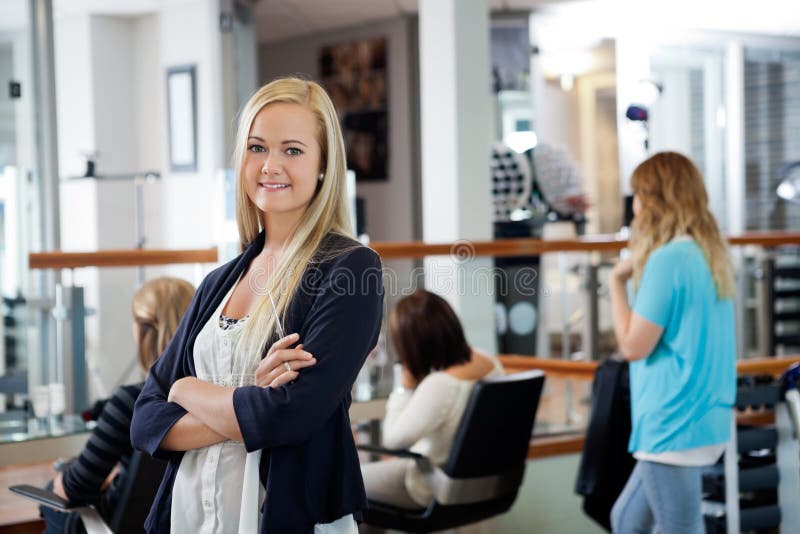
273	187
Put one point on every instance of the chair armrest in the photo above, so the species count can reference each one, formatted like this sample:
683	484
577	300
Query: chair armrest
43	497
423	463
401	453
92	520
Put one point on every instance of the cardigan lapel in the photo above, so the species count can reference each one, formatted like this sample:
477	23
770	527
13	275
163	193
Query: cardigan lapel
217	291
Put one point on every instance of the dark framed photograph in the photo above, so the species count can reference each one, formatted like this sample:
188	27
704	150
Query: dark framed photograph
182	118
354	74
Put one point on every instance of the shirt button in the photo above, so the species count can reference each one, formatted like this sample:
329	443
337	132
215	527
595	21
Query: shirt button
206	503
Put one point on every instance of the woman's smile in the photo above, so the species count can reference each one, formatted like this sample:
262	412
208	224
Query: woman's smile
273	187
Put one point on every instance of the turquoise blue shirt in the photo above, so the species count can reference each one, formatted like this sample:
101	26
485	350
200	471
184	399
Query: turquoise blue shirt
683	392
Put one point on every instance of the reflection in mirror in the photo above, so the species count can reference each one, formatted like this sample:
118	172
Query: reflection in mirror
18	153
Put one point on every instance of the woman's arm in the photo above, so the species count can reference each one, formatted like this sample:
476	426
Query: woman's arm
636	336
189	433
209	406
341	328
84	479
211	416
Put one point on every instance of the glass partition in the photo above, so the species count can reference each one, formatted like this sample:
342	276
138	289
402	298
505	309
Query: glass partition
18	201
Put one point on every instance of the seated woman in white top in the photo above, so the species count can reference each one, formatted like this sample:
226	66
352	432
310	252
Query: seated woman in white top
439	371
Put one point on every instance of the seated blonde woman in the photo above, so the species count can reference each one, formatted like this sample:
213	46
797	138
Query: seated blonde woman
100	470
439	371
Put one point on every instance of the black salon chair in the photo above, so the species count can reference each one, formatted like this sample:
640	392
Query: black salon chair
135	498
484	471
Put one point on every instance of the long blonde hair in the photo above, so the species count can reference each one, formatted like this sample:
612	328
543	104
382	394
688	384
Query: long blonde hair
674	202
326	214
157	308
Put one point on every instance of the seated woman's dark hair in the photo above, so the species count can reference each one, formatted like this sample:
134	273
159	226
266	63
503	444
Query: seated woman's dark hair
427	334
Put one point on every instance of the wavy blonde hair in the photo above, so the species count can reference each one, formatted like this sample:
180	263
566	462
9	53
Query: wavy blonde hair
157	307
674	202
327	213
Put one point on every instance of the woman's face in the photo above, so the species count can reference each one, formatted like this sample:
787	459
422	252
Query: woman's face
283	159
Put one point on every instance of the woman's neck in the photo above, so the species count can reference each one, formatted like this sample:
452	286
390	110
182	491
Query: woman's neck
476	368
280	227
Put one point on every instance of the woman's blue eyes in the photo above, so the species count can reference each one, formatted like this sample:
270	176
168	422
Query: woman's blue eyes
292	151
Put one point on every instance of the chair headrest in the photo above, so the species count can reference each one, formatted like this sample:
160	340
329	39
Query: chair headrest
513	377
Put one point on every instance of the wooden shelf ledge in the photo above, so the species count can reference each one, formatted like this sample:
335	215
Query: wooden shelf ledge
119	258
531	247
561	369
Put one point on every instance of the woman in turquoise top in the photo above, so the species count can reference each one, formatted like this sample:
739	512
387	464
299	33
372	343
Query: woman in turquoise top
680	340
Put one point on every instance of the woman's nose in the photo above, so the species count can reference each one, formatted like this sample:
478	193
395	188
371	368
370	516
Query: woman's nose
270	166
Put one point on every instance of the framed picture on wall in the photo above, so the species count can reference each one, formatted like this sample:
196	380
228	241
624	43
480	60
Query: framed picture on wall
182	118
354	74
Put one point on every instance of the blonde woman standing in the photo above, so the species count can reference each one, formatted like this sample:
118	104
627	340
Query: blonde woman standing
255	422
680	338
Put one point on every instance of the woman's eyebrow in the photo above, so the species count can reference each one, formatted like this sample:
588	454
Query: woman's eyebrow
286	142
289	141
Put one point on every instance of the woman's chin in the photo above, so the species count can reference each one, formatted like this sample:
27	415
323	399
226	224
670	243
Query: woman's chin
280	208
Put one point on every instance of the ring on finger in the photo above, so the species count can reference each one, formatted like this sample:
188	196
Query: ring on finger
287	366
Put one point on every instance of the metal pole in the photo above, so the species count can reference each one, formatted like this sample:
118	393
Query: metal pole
77	396
70	369
562	269
60	315
731	460
765	303
47	126
591	328
47	175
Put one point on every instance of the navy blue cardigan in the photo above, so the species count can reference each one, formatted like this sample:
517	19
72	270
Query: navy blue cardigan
309	465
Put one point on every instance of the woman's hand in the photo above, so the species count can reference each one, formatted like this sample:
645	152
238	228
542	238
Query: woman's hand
58	486
273	372
110	478
622	271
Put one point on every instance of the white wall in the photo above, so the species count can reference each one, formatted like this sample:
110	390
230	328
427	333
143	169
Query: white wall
76	135
670	124
74	92
150	127
188	35
556	116
111	97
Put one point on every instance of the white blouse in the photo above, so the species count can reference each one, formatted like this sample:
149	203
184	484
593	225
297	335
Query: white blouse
217	488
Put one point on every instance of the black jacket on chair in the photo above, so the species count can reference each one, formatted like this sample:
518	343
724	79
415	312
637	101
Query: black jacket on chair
606	463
